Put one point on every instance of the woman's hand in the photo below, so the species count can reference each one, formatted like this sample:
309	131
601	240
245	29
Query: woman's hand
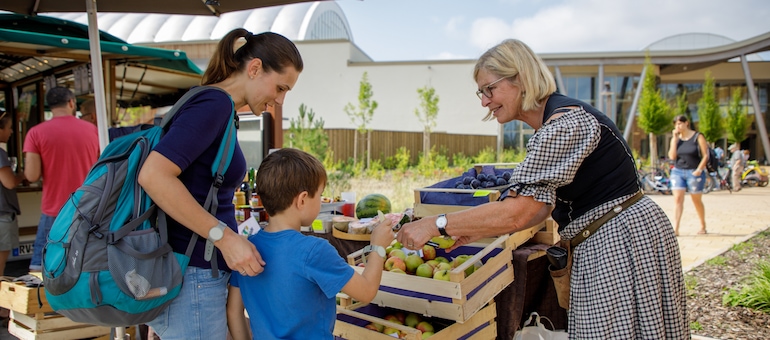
240	254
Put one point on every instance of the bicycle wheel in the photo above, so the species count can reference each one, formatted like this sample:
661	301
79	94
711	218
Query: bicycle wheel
709	185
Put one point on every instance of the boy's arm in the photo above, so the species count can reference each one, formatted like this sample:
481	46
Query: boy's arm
363	287
236	320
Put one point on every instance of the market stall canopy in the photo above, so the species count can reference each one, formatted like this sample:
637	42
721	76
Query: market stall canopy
37	46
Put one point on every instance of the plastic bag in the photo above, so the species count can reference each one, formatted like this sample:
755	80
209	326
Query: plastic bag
535	330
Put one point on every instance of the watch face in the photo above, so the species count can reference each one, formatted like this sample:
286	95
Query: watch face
216	233
441	221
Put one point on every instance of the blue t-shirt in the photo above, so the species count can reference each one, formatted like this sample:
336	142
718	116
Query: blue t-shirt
294	298
191	142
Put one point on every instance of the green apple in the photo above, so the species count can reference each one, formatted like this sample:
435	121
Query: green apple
432	263
424	270
412	320
395	263
397	245
391	331
443	242
441	275
442	259
428	252
398	253
442	266
412	262
397	271
459	259
427	335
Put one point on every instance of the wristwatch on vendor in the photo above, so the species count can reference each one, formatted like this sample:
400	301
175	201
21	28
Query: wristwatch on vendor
373	248
441	224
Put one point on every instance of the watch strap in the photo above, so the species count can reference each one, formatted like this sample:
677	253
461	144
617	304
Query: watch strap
442	229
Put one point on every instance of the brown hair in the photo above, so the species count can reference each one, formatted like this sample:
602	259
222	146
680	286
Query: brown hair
275	51
5	118
286	173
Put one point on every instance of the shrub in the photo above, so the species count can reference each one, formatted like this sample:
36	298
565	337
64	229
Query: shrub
756	294
486	155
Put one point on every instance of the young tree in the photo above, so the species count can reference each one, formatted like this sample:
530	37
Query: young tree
737	119
654	113
362	116
307	134
710	122
426	114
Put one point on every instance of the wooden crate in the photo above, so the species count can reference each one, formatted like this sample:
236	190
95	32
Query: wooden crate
351	324
549	234
20	298
44	326
422	209
458	299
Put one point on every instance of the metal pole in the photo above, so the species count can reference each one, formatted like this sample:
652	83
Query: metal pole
632	111
97	74
559	80
759	120
600	90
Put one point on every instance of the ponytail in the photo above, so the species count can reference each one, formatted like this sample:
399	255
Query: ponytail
275	51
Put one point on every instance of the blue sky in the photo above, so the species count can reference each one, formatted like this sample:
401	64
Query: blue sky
463	29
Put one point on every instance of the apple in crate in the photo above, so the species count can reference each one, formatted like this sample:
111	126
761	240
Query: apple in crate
397	253
395	263
412	262
441	275
412	320
424	270
425	327
428	253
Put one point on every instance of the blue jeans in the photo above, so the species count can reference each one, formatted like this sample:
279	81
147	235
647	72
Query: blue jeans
43	228
198	312
684	179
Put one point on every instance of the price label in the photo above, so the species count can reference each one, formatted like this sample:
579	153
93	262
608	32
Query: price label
318	225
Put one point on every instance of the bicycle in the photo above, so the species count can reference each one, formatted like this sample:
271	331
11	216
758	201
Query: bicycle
654	182
717	181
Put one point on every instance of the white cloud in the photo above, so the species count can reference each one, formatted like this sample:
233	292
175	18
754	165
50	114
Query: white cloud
607	25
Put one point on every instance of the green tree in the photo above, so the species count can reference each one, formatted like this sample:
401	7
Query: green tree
710	122
737	121
654	113
307	134
426	114
361	115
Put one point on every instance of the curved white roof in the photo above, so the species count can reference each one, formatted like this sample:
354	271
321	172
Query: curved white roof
320	20
689	41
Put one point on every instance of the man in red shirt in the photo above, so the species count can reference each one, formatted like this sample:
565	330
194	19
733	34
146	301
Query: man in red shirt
61	151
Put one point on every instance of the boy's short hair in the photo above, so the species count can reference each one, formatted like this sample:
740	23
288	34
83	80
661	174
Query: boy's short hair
58	96
286	173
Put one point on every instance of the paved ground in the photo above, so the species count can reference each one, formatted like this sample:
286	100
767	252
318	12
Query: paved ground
730	219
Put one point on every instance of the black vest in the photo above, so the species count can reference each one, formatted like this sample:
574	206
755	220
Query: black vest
607	173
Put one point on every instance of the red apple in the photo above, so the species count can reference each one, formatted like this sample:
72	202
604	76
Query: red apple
428	252
395	263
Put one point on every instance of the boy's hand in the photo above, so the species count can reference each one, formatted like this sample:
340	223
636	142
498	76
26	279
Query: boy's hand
383	234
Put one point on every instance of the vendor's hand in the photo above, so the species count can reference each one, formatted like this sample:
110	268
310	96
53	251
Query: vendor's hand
463	240
383	234
414	235
240	254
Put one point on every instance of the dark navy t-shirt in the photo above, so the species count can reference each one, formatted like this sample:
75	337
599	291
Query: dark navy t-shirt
191	142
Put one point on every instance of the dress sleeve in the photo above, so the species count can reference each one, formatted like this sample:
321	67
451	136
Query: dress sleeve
554	154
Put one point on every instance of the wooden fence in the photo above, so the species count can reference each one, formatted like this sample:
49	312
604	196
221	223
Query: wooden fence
386	143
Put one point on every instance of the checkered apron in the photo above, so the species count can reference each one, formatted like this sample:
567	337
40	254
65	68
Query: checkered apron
627	280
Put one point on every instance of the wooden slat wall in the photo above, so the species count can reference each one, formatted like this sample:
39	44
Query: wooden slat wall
386	143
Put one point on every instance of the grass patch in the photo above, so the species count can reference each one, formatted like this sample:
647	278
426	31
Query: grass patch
690	283
743	247
755	294
696	326
717	261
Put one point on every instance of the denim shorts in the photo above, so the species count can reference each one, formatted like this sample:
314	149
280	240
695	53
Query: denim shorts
684	179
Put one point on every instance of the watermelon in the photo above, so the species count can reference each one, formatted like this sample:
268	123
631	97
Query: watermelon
369	205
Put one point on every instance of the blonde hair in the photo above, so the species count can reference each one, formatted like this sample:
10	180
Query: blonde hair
511	58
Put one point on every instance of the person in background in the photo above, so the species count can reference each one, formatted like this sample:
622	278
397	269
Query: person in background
61	151
88	113
9	202
720	155
690	153
303	283
626	279
176	175
737	165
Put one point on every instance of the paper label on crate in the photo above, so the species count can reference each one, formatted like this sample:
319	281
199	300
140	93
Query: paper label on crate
249	227
318	225
482	193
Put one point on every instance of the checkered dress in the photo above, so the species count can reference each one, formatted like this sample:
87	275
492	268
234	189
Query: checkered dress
627	280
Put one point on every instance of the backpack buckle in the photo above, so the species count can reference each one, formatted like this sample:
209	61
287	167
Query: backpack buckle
218	180
95	230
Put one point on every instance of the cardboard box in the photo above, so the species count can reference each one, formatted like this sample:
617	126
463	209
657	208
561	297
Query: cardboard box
351	324
458	299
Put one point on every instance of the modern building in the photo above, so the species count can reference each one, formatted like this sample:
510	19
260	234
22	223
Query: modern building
335	66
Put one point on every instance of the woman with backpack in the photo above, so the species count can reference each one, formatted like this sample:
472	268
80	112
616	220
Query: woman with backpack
177	177
690	152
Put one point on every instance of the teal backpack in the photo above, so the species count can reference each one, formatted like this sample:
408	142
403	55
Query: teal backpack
107	260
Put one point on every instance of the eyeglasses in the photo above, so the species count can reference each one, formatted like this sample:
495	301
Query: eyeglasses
487	89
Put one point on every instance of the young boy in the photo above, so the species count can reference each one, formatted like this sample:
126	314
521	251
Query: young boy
294	298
